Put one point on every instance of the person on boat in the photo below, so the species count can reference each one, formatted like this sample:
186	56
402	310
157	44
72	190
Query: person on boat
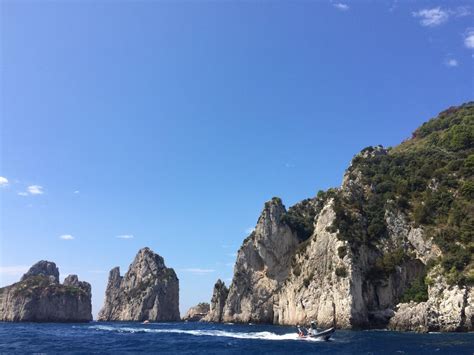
301	331
313	329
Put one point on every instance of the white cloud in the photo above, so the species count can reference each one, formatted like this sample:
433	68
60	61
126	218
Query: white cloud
341	6
66	237
436	16
463	11
23	193
3	181
35	190
76	192
469	38
432	17
13	270
249	230
125	236
198	271
451	62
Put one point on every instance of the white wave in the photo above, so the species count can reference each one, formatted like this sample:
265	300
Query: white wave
213	333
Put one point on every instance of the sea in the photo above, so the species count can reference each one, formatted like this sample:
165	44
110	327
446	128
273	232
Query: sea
203	338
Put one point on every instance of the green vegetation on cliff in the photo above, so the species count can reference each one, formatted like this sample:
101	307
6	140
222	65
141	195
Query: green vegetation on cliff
38	284
430	179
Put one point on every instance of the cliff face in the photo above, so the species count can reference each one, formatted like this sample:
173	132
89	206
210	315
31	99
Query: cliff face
447	309
261	267
312	290
219	296
391	246
148	291
39	297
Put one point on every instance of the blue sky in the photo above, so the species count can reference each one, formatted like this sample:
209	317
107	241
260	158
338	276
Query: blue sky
168	124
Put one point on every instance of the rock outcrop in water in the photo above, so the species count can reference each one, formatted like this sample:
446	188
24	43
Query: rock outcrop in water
40	297
148	291
448	309
219	296
391	247
196	313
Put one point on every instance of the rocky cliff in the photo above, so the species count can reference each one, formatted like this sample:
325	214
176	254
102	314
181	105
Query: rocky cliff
448	308
196	313
216	309
261	267
40	297
393	246
148	291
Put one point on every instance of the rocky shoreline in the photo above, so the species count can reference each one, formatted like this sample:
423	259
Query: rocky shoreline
391	248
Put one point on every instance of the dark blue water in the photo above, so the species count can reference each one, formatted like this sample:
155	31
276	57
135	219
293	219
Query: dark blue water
195	338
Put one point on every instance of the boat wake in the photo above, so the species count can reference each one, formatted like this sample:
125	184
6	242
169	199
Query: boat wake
211	333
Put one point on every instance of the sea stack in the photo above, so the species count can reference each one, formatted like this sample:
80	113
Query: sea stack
197	313
40	297
148	291
219	296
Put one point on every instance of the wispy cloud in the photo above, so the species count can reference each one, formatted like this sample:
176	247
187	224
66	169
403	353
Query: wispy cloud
125	236
436	16
341	6
66	237
3	181
469	38
198	271
13	270
461	11
451	62
431	17
76	192
35	189
249	230
23	193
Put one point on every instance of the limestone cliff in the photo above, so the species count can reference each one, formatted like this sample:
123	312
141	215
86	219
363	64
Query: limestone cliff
448	308
196	313
148	291
39	297
219	296
261	267
391	247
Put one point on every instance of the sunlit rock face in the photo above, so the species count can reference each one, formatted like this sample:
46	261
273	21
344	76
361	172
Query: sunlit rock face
197	313
219	296
40	297
263	262
148	291
391	247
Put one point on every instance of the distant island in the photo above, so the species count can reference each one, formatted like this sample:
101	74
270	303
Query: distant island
391	248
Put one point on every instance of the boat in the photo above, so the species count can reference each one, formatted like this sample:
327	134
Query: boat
323	335
312	332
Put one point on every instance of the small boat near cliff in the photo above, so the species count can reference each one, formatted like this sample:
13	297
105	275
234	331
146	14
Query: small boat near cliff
313	333
323	335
